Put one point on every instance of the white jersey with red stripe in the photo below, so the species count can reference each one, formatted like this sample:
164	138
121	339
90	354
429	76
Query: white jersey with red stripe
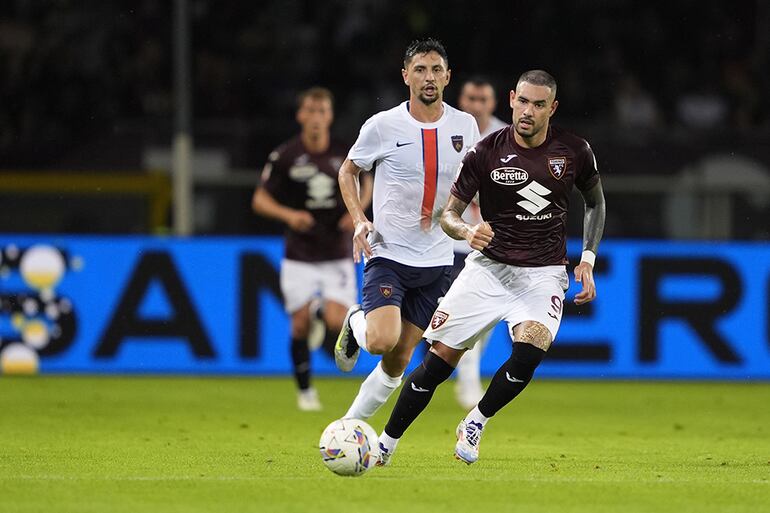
415	165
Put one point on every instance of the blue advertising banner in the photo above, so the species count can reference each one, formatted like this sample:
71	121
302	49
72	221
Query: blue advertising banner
213	306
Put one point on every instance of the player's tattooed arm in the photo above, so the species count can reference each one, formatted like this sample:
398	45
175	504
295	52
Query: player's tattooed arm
452	223
593	219
593	228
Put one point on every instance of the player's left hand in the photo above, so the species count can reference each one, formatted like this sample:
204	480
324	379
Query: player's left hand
584	274
360	242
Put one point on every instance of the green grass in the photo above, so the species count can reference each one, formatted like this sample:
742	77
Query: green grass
75	444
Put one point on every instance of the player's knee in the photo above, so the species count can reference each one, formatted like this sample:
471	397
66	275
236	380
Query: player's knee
536	334
299	325
379	342
299	331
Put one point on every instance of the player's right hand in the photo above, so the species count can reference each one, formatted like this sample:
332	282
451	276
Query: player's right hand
300	220
480	236
360	242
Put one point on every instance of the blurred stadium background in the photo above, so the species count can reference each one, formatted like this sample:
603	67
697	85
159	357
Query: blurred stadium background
97	182
673	96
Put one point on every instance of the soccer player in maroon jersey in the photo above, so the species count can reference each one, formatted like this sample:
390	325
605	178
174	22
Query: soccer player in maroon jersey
523	175
299	187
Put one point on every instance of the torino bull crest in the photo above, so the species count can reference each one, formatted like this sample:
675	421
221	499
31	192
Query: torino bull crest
557	165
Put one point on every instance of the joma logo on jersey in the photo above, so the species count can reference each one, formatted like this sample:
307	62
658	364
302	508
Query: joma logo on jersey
509	175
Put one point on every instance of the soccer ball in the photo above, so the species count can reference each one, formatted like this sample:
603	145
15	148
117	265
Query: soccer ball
349	447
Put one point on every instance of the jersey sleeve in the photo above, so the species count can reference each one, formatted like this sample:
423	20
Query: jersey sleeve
587	175
368	147
468	178
273	177
475	134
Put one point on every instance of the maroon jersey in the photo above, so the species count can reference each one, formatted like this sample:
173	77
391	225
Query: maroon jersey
524	193
307	181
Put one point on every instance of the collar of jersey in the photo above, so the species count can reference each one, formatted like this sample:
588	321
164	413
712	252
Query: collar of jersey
524	149
435	124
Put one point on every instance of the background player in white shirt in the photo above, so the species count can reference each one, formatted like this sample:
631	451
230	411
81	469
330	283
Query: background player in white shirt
416	147
477	98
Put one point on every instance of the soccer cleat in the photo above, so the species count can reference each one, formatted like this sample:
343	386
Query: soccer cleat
346	349
384	459
468	438
307	400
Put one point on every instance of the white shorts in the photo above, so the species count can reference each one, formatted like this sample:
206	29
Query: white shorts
487	292
333	280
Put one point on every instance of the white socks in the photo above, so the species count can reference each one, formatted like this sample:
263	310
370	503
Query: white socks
374	392
468	367
475	416
468	373
388	442
358	325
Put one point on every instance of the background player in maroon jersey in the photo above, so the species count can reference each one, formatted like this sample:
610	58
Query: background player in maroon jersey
523	175
299	187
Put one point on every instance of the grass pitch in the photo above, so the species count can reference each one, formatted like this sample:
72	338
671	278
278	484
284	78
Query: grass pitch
104	444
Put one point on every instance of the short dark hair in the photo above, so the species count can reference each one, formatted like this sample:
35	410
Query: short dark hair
538	77
420	46
479	81
316	93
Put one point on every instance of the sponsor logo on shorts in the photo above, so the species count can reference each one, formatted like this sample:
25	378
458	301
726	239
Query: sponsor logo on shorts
509	175
558	166
438	319
386	290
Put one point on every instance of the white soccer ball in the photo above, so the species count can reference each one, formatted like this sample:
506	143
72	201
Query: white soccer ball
349	447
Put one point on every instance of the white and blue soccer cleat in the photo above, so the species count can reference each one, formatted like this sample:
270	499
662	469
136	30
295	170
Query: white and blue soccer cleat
384	458
468	439
346	349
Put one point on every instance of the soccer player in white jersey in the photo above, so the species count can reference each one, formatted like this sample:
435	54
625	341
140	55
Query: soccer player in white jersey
523	175
477	98
416	147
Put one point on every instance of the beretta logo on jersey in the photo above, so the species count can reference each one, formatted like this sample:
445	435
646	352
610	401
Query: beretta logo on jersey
438	319
557	165
509	175
457	143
